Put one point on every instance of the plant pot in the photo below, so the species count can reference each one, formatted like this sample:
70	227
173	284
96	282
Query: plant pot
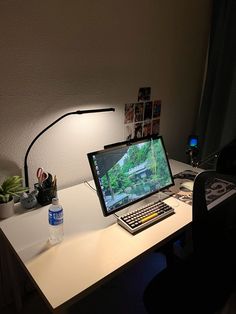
7	209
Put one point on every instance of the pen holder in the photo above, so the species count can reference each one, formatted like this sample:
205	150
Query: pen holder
45	195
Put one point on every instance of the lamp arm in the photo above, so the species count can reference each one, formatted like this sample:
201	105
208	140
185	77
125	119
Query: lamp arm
211	156
48	127
34	140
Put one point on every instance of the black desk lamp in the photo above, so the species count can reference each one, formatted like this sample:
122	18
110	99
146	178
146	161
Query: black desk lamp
48	127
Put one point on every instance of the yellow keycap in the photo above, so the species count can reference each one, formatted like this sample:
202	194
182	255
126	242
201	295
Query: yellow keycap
148	217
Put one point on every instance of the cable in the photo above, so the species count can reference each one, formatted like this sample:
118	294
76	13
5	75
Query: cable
91	187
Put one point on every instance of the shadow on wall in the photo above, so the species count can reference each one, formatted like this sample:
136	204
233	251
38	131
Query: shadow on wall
8	168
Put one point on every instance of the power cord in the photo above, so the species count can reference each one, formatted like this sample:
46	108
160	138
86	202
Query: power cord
89	185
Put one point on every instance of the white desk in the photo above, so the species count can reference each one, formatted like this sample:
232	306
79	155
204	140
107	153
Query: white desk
94	246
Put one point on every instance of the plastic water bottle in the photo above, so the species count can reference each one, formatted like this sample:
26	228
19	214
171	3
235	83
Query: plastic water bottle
55	219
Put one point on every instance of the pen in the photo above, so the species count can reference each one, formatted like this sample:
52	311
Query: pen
55	182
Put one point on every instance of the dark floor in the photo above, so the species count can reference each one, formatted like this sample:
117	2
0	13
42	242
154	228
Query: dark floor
121	295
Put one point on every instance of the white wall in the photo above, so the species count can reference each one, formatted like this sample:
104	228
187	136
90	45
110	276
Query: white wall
60	55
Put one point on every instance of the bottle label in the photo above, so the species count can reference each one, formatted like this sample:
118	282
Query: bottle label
55	218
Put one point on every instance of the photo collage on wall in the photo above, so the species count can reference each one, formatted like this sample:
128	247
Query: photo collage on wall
143	117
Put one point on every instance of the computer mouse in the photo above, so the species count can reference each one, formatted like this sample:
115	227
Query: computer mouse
186	185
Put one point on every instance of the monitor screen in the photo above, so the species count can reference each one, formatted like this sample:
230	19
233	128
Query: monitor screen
127	172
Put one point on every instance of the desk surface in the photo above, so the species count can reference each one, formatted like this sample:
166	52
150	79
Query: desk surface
94	246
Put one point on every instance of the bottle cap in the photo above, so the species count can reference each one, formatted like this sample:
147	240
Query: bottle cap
55	201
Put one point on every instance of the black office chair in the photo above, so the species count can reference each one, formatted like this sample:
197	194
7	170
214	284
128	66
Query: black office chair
203	282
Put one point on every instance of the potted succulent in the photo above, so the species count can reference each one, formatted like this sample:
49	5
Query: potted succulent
10	188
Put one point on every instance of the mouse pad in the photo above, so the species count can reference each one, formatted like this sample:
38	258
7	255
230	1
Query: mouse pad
216	189
182	194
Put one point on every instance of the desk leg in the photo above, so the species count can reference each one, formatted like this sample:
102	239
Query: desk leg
169	253
178	249
12	277
14	281
9	281
185	248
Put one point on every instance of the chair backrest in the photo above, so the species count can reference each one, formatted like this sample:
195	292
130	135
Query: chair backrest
214	230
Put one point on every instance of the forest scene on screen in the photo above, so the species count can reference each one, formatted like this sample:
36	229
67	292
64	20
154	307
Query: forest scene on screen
141	170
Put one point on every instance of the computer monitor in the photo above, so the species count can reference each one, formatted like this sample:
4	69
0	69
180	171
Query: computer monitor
127	172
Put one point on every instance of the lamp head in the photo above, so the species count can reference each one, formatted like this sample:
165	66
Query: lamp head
94	110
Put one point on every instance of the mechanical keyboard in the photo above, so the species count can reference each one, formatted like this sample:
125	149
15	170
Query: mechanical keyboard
145	216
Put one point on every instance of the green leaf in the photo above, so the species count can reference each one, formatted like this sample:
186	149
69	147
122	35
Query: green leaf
12	186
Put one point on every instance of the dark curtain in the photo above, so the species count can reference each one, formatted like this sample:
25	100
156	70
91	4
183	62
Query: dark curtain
216	124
